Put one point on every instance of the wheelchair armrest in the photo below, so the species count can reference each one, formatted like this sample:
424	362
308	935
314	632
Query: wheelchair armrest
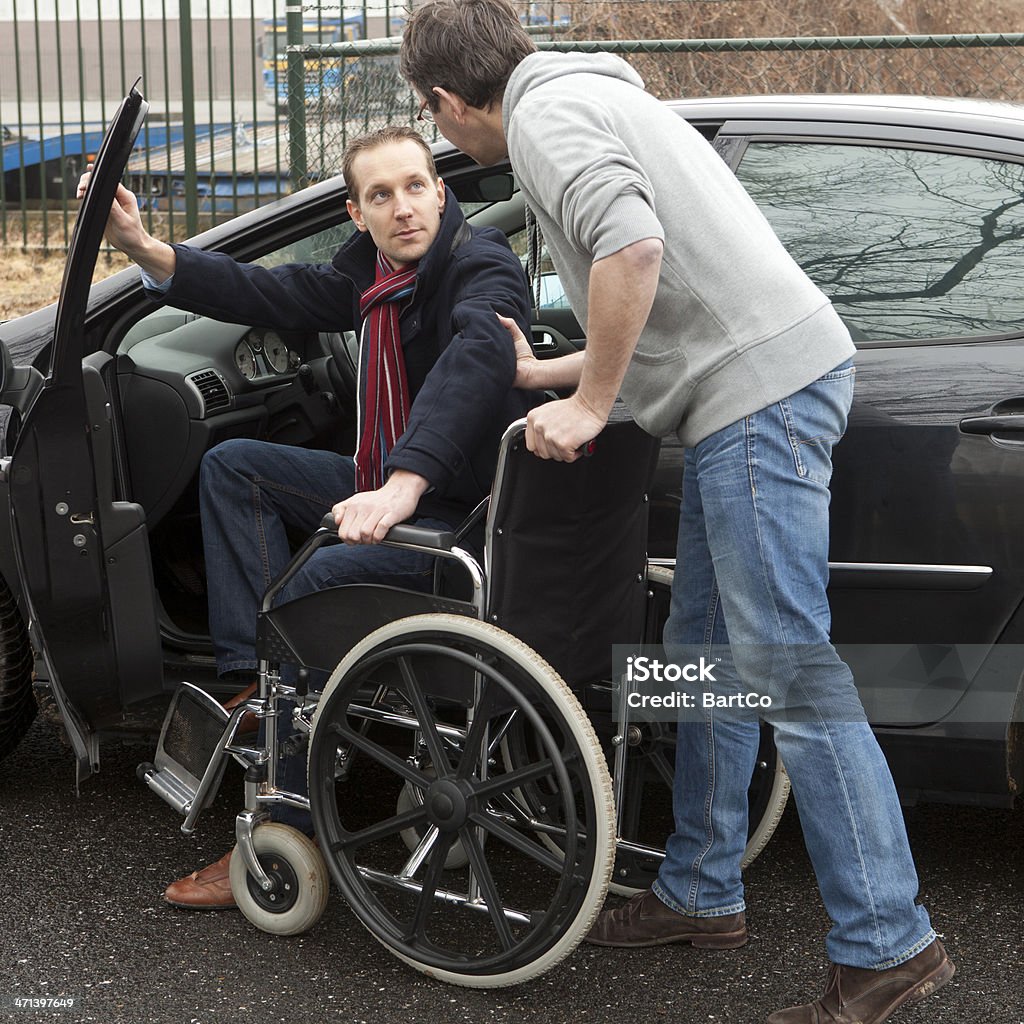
404	534
421	536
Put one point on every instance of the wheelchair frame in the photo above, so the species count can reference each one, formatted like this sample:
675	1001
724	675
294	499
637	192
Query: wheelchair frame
531	783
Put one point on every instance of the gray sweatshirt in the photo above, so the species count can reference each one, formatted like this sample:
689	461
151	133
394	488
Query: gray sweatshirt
736	324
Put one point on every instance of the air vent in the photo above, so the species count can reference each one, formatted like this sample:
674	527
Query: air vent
213	392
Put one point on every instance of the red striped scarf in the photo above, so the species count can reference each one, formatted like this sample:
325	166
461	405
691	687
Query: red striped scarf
386	394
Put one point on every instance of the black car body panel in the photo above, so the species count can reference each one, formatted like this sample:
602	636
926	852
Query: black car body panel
927	560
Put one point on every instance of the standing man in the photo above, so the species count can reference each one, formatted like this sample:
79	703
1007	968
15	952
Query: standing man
697	315
436	373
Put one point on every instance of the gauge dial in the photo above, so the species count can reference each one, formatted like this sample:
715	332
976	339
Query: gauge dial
245	360
275	351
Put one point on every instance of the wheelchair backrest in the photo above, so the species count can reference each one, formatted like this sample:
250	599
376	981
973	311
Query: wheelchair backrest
567	549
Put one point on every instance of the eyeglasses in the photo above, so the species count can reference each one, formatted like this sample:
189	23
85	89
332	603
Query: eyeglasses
425	114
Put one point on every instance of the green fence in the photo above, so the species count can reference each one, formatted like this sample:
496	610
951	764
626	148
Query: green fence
215	72
253	98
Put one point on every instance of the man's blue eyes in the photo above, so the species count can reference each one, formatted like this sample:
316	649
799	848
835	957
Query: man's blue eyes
416	186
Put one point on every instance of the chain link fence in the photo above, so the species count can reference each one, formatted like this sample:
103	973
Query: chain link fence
262	98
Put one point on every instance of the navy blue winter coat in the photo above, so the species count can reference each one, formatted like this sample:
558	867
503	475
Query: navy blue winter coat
460	361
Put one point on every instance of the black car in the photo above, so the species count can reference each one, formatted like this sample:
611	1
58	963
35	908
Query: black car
908	212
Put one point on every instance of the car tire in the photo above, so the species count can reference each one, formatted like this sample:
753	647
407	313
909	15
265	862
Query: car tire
17	704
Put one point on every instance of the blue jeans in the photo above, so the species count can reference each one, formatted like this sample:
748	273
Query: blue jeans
752	569
249	491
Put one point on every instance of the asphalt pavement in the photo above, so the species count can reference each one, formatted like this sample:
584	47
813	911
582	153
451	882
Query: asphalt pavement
83	916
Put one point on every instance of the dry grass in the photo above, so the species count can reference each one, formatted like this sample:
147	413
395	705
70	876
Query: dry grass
31	278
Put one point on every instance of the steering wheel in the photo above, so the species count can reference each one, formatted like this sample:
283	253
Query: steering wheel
343	367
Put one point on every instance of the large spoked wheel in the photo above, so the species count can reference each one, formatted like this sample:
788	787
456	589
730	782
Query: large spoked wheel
301	885
425	703
647	796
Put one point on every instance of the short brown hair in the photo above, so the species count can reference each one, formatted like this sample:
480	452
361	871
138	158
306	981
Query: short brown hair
382	137
469	47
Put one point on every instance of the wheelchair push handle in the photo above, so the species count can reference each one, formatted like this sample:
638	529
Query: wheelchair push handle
405	535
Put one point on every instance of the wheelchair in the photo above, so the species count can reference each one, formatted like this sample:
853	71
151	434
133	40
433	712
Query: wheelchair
475	791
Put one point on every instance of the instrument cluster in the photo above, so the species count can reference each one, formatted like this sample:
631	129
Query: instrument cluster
263	352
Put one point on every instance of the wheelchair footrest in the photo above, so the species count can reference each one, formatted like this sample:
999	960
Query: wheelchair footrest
190	741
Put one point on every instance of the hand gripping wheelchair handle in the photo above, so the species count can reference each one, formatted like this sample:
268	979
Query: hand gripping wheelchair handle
404	535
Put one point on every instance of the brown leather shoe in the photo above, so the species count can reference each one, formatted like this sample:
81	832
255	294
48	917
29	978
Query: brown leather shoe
248	723
854	995
645	921
208	889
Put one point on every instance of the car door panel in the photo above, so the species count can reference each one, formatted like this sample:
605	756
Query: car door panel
918	238
84	559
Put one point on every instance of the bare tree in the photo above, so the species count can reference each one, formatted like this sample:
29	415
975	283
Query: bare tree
990	73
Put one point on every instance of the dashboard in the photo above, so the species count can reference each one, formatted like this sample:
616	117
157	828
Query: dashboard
186	383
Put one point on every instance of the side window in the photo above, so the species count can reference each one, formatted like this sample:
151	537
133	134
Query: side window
908	244
551	293
318	248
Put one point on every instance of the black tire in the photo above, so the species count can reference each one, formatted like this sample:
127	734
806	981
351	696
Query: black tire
17	703
516	909
647	800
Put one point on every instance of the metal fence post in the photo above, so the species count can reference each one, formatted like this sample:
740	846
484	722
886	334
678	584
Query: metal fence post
297	166
188	117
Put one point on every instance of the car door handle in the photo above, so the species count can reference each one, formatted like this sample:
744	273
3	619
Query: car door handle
1011	423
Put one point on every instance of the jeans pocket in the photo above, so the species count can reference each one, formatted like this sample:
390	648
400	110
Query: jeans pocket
815	420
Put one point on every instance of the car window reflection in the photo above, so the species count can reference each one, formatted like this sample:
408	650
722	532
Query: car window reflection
908	244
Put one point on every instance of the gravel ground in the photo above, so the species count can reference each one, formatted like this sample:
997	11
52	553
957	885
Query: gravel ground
84	917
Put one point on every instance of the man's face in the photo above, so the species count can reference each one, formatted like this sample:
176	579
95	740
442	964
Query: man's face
478	133
397	202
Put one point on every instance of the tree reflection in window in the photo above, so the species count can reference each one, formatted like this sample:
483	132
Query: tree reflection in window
908	244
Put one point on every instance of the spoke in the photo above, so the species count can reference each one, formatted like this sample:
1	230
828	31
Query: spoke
511	837
426	720
474	740
433	876
489	890
388	827
380	755
499	784
498	736
662	767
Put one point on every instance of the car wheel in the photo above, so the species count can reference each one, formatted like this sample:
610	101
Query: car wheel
17	705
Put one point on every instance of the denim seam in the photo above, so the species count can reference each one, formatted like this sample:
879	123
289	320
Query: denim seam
917	947
261	534
236	666
791	438
673	904
709	802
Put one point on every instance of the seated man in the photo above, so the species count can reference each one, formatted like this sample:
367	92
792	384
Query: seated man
436	371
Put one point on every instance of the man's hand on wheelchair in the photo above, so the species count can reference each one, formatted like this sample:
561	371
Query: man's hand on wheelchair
366	517
562	430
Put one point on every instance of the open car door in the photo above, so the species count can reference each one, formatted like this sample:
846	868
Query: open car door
84	555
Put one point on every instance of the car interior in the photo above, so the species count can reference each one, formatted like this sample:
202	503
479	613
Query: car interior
184	383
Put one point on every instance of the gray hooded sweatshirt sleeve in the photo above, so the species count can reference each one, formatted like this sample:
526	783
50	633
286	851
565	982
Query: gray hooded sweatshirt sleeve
736	324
